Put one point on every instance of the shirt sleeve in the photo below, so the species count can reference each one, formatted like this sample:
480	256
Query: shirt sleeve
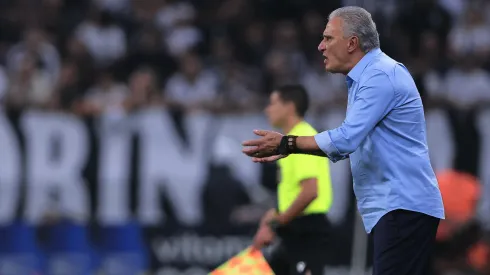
374	100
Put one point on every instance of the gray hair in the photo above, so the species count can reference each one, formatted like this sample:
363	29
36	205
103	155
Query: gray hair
358	22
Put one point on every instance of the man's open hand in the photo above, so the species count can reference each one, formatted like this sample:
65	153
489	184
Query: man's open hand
264	148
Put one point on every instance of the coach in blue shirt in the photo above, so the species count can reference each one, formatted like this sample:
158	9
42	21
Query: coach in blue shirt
384	136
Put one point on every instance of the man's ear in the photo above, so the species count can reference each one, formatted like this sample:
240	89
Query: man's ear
292	107
353	43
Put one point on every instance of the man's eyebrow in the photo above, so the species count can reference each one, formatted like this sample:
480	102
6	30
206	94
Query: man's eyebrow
326	36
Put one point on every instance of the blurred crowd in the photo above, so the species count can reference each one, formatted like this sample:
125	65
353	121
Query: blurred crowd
91	56
225	56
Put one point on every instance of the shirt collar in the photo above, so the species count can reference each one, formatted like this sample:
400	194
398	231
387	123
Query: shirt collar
356	72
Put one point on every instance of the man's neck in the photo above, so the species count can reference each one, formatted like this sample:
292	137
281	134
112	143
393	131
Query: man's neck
356	57
191	78
290	123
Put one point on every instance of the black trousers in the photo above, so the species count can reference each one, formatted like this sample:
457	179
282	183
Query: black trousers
284	261
403	243
303	247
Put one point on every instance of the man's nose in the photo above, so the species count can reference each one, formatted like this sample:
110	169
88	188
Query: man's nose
321	47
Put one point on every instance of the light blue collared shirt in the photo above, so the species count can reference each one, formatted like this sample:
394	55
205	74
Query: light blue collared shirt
384	135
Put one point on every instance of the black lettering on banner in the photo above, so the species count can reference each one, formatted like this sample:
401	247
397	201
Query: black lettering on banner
10	170
63	174
115	147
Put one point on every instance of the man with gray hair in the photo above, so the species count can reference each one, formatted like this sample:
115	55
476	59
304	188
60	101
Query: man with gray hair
384	136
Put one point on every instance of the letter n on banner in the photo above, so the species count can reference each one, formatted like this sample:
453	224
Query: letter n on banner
166	163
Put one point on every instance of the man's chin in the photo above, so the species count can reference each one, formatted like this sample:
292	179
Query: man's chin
276	125
331	70
273	123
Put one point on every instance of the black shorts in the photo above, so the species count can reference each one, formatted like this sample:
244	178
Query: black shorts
302	247
403	243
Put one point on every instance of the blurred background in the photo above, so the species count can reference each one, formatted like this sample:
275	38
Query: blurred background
121	123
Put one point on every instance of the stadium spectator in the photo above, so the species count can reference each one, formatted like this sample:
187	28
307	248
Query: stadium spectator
35	43
253	46
471	35
30	84
78	53
114	6
414	27
107	95
143	89
105	41
175	19
68	91
4	83
145	49
193	87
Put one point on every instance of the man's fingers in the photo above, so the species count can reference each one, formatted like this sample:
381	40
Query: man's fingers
255	152
273	158
254	249
252	142
255	142
260	132
266	159
256	244
250	151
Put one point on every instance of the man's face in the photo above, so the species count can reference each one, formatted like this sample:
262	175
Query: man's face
190	65
334	47
33	39
277	110
140	82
